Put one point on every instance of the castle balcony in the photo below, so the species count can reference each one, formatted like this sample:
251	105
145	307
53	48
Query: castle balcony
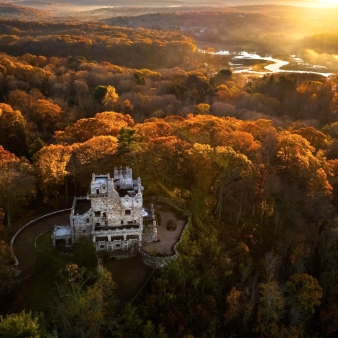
117	227
116	237
102	232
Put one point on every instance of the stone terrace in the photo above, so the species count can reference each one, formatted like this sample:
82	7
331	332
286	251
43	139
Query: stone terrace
167	239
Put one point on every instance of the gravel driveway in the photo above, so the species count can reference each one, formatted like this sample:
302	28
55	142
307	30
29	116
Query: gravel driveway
24	243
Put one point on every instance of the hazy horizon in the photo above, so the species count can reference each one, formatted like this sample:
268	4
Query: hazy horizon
174	3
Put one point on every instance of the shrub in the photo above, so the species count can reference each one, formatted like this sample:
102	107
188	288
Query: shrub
171	225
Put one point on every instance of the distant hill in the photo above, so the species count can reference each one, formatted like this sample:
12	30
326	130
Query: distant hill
269	29
88	10
173	3
10	11
133	48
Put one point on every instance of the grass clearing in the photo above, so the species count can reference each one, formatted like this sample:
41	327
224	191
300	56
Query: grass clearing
44	240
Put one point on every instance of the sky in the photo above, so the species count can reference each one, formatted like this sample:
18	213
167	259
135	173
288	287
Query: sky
312	3
174	3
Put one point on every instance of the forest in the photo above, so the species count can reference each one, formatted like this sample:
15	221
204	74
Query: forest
267	29
254	159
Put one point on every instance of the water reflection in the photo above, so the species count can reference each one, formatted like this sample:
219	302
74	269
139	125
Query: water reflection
277	64
274	67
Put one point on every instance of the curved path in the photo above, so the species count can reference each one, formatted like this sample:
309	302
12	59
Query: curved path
24	243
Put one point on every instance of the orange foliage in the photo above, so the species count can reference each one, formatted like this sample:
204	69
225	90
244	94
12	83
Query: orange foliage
316	138
259	128
6	158
107	123
51	162
153	128
239	140
95	149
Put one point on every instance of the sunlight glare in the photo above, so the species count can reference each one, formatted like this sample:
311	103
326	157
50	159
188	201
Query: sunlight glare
328	3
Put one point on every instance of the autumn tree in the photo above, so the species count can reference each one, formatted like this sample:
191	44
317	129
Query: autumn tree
316	138
270	308
233	167
46	115
13	130
51	168
202	108
94	155
110	99
153	128
106	123
304	292
6	273
16	182
20	325
83	302
221	77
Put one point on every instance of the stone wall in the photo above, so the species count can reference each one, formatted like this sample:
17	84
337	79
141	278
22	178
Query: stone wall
147	238
117	209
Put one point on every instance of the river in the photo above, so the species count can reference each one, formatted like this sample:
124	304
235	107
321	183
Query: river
275	67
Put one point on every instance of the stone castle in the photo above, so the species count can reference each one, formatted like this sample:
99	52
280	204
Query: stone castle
112	215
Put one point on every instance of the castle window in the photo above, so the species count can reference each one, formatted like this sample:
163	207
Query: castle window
97	191
104	187
105	223
87	220
97	213
133	237
127	212
121	221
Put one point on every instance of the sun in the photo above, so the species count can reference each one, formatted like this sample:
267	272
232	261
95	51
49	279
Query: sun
328	2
